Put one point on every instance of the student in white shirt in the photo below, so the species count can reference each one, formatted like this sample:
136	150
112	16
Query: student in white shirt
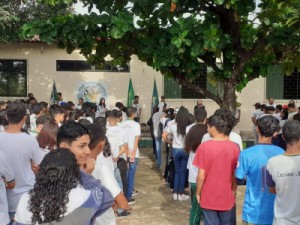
133	130
178	130
104	171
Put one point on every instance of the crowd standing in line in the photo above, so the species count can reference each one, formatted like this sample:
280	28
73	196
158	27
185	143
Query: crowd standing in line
53	157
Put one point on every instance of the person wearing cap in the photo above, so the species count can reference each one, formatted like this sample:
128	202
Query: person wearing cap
256	115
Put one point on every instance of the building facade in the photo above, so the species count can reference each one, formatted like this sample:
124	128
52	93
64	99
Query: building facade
33	66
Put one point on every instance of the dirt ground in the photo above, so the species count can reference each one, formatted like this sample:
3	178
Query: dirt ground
154	204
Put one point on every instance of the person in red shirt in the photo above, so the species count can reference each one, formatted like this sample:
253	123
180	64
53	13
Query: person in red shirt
217	160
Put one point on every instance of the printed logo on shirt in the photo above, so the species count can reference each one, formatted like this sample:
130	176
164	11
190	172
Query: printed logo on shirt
98	196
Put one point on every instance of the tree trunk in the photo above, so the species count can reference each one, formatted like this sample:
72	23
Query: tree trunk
229	96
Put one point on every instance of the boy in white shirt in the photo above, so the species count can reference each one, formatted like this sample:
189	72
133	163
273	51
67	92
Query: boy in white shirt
133	130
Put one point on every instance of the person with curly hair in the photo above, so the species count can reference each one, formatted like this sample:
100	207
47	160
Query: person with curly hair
178	131
58	196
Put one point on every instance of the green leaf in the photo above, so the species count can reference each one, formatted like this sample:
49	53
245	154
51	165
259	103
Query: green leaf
116	33
177	41
188	42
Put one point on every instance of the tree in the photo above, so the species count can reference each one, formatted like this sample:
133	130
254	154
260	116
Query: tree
237	39
15	13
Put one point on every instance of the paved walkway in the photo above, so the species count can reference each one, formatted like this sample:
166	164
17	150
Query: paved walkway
154	204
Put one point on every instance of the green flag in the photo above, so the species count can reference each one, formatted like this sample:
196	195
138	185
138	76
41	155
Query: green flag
54	97
130	97
154	102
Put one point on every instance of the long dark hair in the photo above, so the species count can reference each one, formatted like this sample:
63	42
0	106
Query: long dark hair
183	120
194	137
101	103
58	175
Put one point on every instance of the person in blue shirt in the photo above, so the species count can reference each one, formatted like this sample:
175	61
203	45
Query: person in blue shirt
259	202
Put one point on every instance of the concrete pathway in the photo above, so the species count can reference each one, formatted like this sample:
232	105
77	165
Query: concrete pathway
154	204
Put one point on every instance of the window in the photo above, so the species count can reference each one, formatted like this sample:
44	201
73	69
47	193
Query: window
13	78
174	90
280	86
79	65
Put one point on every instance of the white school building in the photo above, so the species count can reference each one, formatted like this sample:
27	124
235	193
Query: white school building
32	67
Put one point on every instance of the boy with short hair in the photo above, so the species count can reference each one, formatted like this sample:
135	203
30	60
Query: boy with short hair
133	130
22	150
104	172
75	137
117	139
216	160
283	177
258	203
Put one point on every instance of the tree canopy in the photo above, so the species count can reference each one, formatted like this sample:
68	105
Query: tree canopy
237	39
15	13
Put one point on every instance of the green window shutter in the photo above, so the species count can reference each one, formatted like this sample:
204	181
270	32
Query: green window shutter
274	82
171	88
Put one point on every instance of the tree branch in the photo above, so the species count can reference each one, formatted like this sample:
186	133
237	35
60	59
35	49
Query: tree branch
180	79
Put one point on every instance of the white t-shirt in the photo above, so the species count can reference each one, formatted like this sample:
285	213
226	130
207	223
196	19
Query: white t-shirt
256	114
138	108
105	174
285	174
178	140
193	170
156	120
20	149
291	115
100	111
6	172
116	137
234	137
133	130
77	197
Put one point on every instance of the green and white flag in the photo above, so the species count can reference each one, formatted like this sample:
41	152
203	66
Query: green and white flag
54	97
155	100
130	96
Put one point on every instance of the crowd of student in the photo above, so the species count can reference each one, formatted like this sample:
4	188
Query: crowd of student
51	161
52	158
210	156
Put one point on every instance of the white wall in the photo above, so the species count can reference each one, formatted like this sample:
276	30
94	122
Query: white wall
42	58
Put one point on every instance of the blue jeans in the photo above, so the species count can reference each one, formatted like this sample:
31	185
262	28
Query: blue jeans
180	158
131	173
214	217
158	151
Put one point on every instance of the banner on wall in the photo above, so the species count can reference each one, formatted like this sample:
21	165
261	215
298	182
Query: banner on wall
91	92
130	96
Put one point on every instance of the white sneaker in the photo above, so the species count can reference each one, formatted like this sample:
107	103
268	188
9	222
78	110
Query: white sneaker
183	197
175	196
